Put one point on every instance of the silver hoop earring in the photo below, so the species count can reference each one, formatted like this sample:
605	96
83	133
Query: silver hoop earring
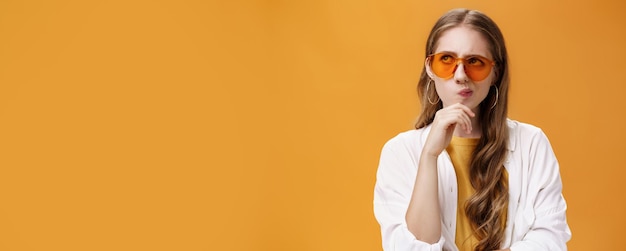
428	94
497	96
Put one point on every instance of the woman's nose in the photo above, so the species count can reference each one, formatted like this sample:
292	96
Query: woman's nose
459	74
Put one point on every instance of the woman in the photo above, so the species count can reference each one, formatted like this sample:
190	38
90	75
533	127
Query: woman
469	178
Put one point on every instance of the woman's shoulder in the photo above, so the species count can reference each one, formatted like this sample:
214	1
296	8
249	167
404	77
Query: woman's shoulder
521	128
525	135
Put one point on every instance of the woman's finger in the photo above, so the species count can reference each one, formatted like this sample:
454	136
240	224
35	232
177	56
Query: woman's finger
465	109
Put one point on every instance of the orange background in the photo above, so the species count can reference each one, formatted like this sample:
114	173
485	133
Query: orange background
257	125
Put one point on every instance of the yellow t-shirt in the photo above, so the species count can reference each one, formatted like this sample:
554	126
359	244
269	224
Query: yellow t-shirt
460	151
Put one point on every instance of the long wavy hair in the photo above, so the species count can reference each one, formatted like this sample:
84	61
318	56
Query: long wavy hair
486	208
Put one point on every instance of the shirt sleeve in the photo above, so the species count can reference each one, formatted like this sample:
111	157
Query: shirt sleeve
545	212
392	193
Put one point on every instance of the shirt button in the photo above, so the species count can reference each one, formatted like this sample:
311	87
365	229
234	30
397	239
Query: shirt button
450	189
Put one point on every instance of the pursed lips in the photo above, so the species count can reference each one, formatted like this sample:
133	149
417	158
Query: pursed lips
466	93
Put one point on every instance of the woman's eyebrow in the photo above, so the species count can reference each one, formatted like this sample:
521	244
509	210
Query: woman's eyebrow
465	56
447	52
473	55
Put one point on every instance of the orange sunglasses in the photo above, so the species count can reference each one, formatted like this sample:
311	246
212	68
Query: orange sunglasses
476	67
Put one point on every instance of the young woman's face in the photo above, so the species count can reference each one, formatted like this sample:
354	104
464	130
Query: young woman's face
460	86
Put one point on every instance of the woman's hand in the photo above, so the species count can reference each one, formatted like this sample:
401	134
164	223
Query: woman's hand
423	215
442	129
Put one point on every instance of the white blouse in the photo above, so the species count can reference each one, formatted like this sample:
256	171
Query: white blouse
536	212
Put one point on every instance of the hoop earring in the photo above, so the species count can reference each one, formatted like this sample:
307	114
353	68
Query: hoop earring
497	96
428	94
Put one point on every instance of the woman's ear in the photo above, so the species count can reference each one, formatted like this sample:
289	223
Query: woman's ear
429	71
496	73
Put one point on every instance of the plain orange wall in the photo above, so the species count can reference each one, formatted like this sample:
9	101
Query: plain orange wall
257	125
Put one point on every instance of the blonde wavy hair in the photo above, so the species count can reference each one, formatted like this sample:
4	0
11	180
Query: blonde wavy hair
486	209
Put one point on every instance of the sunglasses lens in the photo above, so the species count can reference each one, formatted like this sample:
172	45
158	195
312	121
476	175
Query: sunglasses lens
477	68
443	65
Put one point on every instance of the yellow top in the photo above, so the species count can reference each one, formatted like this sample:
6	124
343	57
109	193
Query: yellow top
460	151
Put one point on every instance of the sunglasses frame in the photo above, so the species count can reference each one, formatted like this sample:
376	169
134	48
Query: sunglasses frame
459	60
